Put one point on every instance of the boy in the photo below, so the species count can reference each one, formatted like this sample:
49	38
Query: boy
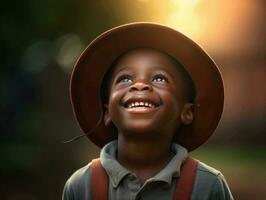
158	96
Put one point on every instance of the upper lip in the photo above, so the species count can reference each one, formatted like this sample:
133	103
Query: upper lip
143	100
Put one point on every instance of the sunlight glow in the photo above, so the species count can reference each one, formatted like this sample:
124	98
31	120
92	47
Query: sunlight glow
213	24
185	17
185	2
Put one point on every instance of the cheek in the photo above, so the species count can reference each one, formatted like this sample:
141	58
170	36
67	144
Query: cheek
172	105
115	102
170	97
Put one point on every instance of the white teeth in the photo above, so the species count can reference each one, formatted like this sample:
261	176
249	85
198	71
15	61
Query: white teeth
141	104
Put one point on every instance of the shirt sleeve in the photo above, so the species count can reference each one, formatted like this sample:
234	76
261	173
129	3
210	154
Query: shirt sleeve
220	190
68	192
78	186
210	184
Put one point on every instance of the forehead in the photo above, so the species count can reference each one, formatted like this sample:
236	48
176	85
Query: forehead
145	58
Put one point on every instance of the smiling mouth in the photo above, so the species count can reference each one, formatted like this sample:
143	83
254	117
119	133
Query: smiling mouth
140	104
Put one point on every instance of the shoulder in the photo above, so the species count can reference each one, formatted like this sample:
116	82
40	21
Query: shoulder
80	175
210	183
78	185
207	170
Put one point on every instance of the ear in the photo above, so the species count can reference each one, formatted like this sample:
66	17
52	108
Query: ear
106	118
187	114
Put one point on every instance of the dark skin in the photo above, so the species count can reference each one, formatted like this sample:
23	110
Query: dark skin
146	104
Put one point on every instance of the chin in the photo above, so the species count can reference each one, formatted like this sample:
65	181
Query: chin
139	128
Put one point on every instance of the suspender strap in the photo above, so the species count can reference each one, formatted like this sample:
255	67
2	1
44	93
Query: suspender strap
99	182
185	183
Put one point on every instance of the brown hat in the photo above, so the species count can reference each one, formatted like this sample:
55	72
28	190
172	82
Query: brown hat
101	52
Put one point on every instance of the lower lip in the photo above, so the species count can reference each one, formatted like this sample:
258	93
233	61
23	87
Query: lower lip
141	110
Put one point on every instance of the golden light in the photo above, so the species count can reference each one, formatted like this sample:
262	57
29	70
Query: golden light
185	17
214	24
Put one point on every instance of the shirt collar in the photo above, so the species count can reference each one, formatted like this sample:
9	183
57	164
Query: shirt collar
117	172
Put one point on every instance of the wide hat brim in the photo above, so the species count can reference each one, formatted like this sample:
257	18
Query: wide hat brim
91	66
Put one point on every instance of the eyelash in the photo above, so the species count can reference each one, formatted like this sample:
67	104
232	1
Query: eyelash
128	78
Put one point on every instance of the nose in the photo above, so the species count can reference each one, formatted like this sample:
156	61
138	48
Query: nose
140	86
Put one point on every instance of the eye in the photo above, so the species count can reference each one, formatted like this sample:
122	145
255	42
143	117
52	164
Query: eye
159	78
124	79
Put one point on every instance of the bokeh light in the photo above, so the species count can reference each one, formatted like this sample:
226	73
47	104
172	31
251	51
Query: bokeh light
69	48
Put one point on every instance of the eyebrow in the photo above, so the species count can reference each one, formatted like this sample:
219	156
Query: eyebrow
158	67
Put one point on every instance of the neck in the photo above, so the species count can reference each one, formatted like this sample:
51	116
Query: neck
144	157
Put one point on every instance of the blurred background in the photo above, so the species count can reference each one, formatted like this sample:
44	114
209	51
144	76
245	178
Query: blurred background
40	41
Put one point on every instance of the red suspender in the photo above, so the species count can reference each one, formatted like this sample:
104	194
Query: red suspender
99	182
184	185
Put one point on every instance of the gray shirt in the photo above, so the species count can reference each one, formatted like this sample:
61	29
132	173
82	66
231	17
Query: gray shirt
209	183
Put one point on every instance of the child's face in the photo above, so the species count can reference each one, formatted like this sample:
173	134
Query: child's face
146	94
